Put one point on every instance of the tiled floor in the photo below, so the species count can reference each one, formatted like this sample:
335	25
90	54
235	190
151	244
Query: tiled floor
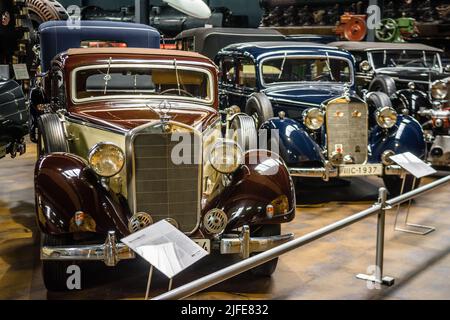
324	269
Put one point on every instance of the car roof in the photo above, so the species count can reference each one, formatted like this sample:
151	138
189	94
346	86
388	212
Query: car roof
205	32
370	46
59	36
136	51
258	49
209	41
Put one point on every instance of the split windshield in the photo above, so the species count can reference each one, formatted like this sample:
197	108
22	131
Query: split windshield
405	59
298	69
98	83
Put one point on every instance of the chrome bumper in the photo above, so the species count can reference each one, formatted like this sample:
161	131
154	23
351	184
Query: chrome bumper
245	245
110	252
333	172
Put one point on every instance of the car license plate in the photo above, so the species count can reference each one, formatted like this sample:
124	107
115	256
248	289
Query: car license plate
2	151
204	243
352	170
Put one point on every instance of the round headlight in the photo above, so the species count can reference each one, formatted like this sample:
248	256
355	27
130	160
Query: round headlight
313	118
386	117
106	159
365	66
439	90
226	156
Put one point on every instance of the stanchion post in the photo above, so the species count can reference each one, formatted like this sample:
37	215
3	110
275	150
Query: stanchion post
379	255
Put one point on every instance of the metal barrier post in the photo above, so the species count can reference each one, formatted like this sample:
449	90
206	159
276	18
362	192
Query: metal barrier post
379	256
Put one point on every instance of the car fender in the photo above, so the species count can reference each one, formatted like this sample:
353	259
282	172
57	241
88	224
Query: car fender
295	144
405	136
261	179
64	185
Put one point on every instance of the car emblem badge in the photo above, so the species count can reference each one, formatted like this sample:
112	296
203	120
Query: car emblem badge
6	18
163	110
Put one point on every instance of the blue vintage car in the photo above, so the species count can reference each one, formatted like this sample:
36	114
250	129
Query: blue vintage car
306	91
59	36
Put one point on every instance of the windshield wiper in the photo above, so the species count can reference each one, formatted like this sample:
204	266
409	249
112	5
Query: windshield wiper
176	74
107	76
282	65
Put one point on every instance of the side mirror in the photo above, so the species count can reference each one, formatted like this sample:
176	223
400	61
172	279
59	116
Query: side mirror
447	68
365	66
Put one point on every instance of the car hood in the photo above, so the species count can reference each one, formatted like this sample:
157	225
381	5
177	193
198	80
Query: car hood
127	116
413	74
307	94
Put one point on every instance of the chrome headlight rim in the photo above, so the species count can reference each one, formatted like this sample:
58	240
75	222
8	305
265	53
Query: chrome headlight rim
439	90
96	148
239	155
383	113
313	118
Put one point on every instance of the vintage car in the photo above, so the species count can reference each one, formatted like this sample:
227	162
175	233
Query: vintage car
13	118
438	126
58	36
410	73
106	164
209	41
308	93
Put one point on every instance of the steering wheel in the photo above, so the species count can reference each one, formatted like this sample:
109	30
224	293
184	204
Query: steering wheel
186	93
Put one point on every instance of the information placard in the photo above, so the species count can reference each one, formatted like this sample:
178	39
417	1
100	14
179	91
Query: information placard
413	165
165	247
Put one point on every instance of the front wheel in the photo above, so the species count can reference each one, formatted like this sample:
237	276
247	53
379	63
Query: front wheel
394	184
54	273
268	268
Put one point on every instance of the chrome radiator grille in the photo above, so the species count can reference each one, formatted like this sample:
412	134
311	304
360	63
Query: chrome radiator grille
347	129
162	188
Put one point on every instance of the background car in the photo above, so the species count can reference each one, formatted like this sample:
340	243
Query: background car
58	36
405	71
308	93
106	167
13	118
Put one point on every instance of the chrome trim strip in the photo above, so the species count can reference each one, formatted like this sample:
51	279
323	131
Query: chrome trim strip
70	118
261	63
181	66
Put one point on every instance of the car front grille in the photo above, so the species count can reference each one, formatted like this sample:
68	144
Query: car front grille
163	188
347	129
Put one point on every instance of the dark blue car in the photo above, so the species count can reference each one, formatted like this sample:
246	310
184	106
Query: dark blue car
306	91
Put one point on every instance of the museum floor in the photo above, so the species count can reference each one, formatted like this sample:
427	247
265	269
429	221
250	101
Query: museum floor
324	269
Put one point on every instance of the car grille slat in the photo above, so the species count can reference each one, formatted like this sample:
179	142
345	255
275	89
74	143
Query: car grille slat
347	129
162	188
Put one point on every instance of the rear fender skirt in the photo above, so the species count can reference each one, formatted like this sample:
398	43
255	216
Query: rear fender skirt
253	186
296	146
406	136
64	184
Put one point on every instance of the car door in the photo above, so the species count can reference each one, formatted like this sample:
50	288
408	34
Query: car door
227	81
245	80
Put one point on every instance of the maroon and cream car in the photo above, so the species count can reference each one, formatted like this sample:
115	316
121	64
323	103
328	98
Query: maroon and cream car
110	162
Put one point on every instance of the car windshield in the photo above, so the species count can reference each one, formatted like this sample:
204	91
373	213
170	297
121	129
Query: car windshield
298	69
405	59
104	82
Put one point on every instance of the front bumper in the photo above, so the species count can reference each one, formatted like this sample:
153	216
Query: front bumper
112	252
329	171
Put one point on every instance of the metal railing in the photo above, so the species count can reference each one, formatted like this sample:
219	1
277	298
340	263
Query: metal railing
378	208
